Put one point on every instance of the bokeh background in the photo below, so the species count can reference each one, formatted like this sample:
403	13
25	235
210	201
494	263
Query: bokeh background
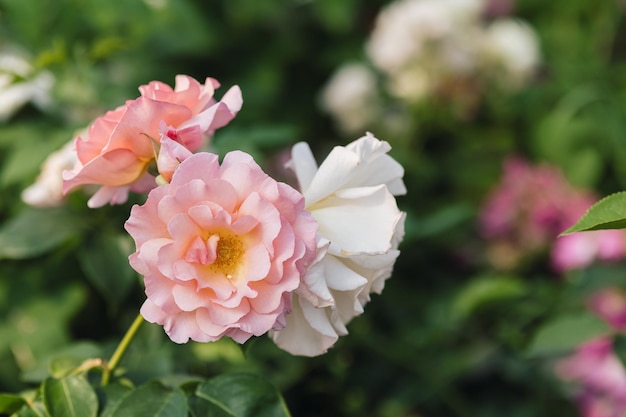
508	116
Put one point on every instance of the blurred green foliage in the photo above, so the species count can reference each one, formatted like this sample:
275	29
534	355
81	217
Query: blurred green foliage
448	337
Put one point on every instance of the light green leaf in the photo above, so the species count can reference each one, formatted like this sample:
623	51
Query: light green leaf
565	333
33	409
608	213
69	397
79	356
237	395
486	290
152	400
35	231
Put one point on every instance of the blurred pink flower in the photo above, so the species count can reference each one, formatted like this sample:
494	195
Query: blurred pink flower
600	376
122	144
351	195
579	250
530	207
610	304
221	248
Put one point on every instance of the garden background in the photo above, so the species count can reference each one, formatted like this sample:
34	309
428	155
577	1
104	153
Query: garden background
468	325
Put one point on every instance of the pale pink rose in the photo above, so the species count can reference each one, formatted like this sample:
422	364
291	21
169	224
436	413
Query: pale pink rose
122	144
579	250
610	304
351	195
600	377
221	248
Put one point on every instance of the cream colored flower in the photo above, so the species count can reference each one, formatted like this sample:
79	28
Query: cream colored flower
351	97
351	195
20	83
47	190
514	46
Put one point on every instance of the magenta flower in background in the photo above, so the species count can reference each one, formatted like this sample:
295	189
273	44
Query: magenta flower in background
221	249
610	304
579	250
600	378
530	207
122	144
598	374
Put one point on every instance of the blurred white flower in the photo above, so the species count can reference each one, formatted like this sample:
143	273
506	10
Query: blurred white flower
515	47
406	29
47	190
351	195
351	97
20	83
445	48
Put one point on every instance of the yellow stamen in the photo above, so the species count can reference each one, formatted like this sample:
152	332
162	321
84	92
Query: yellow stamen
230	251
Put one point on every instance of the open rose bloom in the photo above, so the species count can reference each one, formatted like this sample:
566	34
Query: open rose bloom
351	195
221	248
121	145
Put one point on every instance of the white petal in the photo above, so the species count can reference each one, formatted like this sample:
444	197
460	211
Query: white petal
340	277
308	332
358	220
348	306
332	174
376	166
362	163
303	163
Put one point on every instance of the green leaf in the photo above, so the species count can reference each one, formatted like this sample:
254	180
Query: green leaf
608	213
105	263
237	395
69	397
33	409
152	400
81	355
565	333
10	403
486	290
619	347
35	231
113	394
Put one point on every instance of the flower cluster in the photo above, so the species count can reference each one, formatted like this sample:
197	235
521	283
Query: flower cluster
432	48
530	207
438	42
224	249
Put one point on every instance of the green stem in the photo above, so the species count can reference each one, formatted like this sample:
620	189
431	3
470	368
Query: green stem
110	366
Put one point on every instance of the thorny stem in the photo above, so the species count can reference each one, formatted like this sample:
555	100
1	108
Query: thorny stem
110	366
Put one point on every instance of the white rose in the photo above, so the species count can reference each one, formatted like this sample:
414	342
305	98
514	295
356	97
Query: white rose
351	195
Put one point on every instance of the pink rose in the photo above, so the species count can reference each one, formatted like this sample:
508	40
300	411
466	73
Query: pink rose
122	144
221	249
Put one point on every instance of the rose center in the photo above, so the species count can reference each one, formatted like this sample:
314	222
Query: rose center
230	251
